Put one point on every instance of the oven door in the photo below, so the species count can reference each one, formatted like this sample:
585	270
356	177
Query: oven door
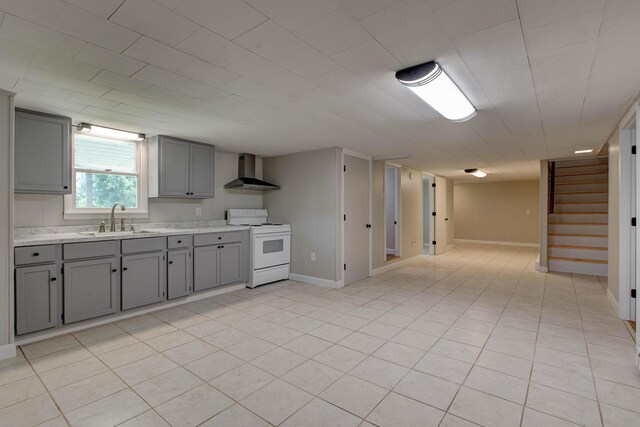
270	249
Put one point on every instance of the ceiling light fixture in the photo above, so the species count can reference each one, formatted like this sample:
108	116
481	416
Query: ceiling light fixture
434	86
476	172
590	150
110	132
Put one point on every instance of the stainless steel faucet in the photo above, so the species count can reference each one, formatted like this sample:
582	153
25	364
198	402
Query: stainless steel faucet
113	215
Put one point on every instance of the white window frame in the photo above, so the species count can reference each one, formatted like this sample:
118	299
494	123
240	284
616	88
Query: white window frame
142	211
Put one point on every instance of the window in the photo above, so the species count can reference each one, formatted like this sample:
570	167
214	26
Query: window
106	171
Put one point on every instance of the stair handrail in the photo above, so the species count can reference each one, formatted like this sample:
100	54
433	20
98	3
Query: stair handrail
552	187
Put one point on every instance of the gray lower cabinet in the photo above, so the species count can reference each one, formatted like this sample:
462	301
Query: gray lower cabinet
42	153
90	288
179	273
206	268
143	279
230	263
36	298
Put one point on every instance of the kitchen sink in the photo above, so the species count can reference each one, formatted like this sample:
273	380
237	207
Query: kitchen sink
116	233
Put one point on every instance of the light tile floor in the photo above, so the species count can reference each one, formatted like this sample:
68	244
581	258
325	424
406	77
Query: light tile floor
472	337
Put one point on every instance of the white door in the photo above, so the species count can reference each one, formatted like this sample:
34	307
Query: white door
440	236
356	219
633	255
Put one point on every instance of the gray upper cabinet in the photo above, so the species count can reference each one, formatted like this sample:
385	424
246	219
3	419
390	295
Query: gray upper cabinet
42	153
143	279
180	168
36	298
90	288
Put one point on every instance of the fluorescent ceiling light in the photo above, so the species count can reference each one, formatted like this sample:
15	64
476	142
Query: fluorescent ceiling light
584	151
109	132
434	86
476	172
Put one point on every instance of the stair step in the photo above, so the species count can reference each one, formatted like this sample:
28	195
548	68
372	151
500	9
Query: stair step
582	170
579	217
582	182
591	248
581	186
582	161
586	165
582	174
581	203
586	177
568	266
582	196
582	192
592	261
581	207
594	253
578	239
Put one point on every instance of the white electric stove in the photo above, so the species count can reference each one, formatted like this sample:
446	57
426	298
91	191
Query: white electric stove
270	245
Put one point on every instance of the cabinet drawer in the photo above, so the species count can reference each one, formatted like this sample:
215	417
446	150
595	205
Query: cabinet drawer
90	249
152	244
35	254
176	242
216	238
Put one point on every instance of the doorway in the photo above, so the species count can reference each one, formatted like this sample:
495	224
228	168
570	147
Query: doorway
392	213
356	218
428	209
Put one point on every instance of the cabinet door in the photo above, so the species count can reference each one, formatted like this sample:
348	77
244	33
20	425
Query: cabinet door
90	289
42	153
174	168
143	279
36	298
205	268
201	176
230	263
179	273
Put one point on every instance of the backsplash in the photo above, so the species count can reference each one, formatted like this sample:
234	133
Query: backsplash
37	210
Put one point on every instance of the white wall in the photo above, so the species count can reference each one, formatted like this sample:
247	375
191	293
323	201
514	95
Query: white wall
6	218
613	274
36	210
309	200
390	190
426	211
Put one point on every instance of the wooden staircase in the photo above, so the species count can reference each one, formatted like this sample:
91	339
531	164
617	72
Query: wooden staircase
578	218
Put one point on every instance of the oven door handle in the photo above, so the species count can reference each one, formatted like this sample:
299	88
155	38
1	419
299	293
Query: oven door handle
274	234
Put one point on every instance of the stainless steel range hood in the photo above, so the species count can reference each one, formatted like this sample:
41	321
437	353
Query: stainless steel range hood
247	176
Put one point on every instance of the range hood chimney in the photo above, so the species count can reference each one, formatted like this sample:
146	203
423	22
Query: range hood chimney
247	176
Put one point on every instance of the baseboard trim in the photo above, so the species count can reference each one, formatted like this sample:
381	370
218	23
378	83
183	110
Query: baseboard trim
393	265
391	251
541	268
614	303
128	314
7	351
499	243
325	283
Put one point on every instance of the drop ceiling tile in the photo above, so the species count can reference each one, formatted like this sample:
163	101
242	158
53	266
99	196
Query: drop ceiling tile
333	33
29	86
289	84
158	54
211	47
293	14
227	18
338	80
119	82
207	74
563	33
28	72
308	64
80	86
167	96
469	16
536	13
253	91
108	60
401	22
102	8
47	104
359	9
367	56
492	41
24	32
271	41
493	66
7	82
170	4
43	12
65	66
16	52
92	101
174	82
619	38
255	68
93	29
155	21
570	62
616	8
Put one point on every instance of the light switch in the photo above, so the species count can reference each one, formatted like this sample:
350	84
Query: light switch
313	256
198	211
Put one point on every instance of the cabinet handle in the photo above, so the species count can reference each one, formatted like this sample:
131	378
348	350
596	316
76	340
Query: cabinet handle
219	237
53	279
124	268
36	254
114	271
179	241
187	193
170	262
66	187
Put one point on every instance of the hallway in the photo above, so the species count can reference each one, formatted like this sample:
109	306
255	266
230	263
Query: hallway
475	335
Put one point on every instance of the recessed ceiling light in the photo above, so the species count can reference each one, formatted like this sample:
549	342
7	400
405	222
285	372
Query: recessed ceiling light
434	86
584	151
476	172
109	132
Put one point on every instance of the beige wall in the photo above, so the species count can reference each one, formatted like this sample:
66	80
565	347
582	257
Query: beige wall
411	212
451	229
497	211
378	255
309	201
37	210
6	228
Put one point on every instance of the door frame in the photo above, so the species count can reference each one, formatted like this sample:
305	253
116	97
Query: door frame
398	210
432	203
625	263
369	159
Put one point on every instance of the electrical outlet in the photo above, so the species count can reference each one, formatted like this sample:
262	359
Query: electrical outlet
313	256
198	211
528	211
